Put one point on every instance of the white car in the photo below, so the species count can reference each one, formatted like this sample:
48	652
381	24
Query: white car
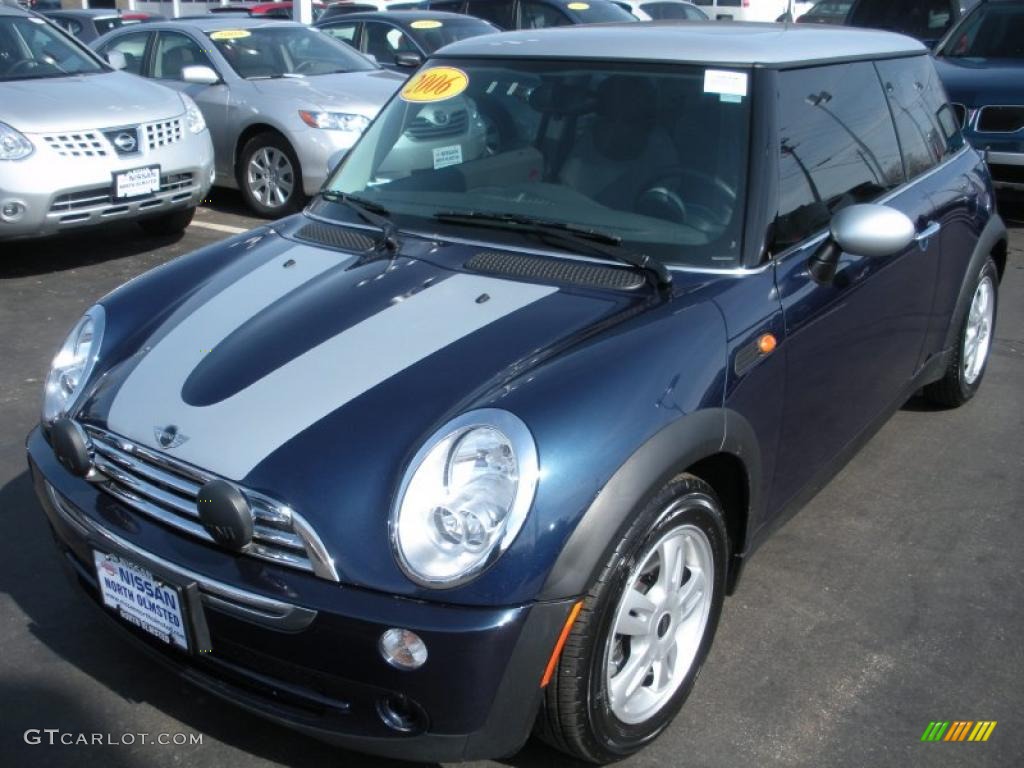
82	144
751	10
654	10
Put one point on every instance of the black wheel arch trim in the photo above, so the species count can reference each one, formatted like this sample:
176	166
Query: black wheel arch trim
991	236
684	442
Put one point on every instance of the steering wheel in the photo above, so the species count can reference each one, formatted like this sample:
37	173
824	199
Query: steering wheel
305	66
690	197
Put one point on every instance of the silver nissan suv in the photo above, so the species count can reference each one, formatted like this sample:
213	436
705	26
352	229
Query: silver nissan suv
82	144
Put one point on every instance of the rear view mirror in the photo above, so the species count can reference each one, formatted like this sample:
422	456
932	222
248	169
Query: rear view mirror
116	59
410	60
862	230
199	75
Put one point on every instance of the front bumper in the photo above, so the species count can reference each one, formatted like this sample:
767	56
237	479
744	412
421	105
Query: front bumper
62	193
303	652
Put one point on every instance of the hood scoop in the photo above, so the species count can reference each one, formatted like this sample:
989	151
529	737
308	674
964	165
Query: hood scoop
526	267
338	238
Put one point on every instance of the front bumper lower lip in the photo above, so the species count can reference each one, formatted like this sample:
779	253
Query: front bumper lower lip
475	698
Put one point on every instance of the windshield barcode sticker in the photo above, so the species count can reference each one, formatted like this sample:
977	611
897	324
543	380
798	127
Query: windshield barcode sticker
725	83
445	156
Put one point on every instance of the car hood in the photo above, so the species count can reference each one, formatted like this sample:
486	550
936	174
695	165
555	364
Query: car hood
110	99
312	374
980	82
361	92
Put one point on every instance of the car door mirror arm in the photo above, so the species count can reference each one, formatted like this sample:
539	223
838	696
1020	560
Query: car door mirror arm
866	229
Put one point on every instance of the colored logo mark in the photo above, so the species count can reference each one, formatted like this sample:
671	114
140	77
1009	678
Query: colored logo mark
958	730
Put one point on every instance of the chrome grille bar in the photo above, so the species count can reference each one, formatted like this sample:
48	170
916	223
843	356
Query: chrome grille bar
165	490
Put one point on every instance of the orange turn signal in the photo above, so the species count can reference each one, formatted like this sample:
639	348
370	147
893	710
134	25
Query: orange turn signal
767	343
553	661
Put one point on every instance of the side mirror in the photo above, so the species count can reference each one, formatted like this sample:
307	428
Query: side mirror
410	60
199	74
864	230
116	59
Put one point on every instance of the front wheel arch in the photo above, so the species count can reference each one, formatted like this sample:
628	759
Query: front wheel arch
719	443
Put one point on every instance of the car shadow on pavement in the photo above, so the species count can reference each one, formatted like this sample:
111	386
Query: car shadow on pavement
23	258
48	695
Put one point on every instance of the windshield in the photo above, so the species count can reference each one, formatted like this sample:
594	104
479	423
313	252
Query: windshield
923	19
433	34
285	51
992	31
31	49
654	155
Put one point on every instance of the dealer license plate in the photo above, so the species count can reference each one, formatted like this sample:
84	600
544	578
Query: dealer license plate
142	599
137	182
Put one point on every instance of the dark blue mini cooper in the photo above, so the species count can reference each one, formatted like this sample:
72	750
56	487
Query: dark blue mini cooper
479	442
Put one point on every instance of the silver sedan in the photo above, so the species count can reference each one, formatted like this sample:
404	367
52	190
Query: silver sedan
282	100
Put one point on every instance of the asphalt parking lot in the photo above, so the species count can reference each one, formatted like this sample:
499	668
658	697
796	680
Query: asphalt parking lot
894	599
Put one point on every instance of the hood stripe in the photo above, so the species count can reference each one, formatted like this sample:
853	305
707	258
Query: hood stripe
232	436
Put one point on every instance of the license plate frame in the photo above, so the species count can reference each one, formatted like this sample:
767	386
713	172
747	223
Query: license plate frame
149	185
160	611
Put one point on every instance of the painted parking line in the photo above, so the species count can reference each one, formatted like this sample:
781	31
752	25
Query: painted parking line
219	227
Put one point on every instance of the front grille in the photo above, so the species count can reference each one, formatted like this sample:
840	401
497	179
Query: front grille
961	114
163	133
81	144
89	198
1000	119
165	490
454	124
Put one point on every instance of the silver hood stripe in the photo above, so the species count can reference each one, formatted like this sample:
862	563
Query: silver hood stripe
232	436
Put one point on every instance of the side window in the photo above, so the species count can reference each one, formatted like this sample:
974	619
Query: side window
925	122
69	25
541	16
134	49
837	146
498	13
384	41
345	32
455	6
174	52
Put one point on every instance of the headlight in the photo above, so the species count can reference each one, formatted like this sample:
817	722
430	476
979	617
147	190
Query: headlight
13	145
73	364
335	121
464	498
194	118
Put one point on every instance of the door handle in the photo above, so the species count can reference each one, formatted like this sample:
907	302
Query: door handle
922	237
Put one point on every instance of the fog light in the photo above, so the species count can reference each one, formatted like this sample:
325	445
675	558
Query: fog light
12	211
402	649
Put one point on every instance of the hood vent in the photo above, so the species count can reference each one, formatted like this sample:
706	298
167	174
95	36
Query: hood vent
555	270
339	238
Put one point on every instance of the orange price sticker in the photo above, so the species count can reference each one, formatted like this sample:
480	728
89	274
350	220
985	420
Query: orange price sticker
435	84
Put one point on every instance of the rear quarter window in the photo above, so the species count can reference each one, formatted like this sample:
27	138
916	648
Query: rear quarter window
926	123
837	146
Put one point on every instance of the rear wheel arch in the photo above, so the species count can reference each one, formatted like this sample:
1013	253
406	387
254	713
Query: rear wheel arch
716	445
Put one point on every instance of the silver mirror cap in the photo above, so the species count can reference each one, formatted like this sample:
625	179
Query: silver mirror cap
872	230
199	74
116	59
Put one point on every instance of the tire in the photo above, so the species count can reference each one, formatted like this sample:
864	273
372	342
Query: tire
967	365
281	194
172	223
581	713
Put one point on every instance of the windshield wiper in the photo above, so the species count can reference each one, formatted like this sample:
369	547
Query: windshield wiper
601	243
370	212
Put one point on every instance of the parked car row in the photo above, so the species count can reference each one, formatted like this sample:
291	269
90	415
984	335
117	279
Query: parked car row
284	103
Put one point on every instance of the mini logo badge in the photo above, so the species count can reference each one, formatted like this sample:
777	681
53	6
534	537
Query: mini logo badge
126	142
169	437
